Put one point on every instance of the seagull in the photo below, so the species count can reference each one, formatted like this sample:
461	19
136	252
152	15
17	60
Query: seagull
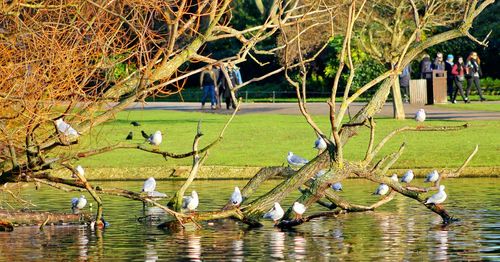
149	185
337	187
135	123
190	202
65	128
420	115
295	160
382	189
144	134
437	198
276	213
319	173
394	178
407	177
320	144
130	136
155	139
79	170
78	203
236	197
432	176
299	209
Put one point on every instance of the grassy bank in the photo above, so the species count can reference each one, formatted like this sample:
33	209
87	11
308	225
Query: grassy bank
476	106
263	140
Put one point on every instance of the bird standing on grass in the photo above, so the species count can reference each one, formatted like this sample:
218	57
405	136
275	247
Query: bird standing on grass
155	139
420	115
135	123
130	136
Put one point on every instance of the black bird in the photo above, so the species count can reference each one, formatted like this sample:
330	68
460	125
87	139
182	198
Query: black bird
144	134
134	123
130	136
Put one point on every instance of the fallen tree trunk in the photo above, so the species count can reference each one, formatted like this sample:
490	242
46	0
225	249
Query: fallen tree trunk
37	218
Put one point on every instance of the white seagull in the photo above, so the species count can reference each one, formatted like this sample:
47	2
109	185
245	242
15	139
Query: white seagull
407	177
437	198
337	186
299	209
276	213
149	185
236	197
382	189
420	115
65	128
155	139
78	203
320	144
190	202
394	178
295	160
432	176
79	169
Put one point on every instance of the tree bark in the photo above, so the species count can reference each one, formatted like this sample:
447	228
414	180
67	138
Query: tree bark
397	102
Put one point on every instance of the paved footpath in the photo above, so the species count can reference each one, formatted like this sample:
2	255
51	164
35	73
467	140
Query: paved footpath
433	112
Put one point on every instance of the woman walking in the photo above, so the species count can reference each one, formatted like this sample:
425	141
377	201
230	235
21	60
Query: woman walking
474	72
208	82
458	72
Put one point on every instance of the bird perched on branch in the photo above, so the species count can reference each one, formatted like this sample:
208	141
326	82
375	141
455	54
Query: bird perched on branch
65	128
437	198
130	136
135	123
394	177
299	209
78	203
276	213
432	177
155	139
320	144
337	186
190	202
144	134
236	197
295	160
79	169
382	189
407	177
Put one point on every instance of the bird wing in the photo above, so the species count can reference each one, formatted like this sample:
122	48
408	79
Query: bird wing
144	134
185	201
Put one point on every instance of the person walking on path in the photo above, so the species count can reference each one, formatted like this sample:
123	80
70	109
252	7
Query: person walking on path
208	83
474	73
449	76
458	72
404	82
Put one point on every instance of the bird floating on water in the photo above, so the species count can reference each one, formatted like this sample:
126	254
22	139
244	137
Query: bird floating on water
420	115
236	197
320	144
382	189
295	160
135	123
432	176
407	177
130	136
155	139
337	186
394	178
65	128
79	169
190	202
276	213
437	198
299	209
78	203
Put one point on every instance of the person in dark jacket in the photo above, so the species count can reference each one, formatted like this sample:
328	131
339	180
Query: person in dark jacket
449	76
208	82
458	72
438	62
426	67
474	73
404	82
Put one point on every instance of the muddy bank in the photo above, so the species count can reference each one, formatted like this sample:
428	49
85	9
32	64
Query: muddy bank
231	172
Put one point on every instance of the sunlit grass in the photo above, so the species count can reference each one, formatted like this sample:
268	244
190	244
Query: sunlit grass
478	106
263	140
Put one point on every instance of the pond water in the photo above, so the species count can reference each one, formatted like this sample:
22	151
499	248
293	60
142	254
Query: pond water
400	230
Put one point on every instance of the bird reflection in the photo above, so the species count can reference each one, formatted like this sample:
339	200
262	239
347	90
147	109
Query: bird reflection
83	241
299	247
194	248
237	250
441	238
277	244
151	255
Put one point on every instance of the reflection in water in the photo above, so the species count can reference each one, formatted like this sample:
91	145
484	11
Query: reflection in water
194	247
151	255
237	250
441	242
82	242
299	247
277	244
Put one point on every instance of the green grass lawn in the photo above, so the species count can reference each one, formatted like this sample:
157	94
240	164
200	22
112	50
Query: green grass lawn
472	106
263	140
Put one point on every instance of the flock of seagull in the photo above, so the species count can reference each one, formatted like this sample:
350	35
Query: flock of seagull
190	203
